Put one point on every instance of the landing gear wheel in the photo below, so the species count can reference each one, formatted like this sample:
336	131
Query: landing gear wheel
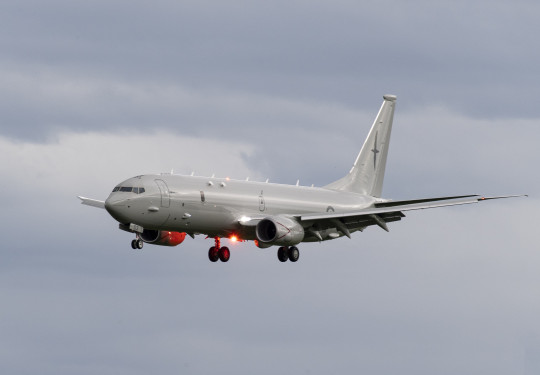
282	254
224	254
294	253
213	254
134	244
139	243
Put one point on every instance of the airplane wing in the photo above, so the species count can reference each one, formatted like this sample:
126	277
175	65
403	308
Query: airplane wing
92	202
388	211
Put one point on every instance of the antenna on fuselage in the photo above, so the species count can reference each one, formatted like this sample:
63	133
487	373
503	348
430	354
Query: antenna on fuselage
192	173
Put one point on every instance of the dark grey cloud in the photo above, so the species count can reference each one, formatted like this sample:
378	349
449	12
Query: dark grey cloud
93	93
473	58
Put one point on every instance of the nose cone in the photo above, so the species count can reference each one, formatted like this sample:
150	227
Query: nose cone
117	207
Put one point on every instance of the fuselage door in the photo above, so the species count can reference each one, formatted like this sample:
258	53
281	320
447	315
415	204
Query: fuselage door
262	206
165	195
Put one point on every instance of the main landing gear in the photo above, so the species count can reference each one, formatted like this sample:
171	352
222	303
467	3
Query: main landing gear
291	253
137	244
219	253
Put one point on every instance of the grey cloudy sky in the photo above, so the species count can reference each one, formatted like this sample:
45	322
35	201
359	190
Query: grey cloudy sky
93	92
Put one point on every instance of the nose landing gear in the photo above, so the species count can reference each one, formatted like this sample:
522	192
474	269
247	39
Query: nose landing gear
217	252
137	244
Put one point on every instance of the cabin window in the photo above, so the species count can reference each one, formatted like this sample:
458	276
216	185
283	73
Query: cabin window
202	196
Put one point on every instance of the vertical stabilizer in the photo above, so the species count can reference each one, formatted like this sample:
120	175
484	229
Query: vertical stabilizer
367	174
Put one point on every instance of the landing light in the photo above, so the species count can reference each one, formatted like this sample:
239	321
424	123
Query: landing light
234	239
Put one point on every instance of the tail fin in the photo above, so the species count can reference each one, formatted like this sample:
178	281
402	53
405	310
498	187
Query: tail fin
367	173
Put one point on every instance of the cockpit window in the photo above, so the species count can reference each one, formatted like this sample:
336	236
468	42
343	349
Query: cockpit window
129	189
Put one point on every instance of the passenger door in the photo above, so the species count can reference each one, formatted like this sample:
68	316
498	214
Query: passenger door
165	195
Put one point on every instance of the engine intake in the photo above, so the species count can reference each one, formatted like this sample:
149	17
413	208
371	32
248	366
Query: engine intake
279	230
162	238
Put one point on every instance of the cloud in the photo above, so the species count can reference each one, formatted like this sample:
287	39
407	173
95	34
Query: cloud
95	162
475	58
437	151
397	296
94	93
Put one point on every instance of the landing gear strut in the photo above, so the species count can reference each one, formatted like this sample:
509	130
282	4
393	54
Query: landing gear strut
217	252
288	253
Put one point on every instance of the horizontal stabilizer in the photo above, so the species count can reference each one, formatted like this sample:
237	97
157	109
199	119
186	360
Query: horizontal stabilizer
92	202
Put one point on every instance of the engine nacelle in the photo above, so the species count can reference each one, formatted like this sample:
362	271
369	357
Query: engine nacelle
162	238
279	230
262	245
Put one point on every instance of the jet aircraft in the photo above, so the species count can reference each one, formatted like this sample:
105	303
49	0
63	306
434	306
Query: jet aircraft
162	209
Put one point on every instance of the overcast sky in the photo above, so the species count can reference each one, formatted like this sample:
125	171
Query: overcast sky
94	92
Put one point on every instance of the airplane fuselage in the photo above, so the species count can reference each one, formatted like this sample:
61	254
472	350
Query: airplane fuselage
215	206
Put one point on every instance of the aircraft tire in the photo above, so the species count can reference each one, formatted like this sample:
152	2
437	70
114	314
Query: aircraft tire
139	243
293	253
282	254
213	254
134	244
224	254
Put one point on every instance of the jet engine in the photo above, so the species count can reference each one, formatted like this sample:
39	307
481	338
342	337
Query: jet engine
163	238
261	245
279	230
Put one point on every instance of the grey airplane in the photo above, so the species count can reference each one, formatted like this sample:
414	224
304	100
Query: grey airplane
163	209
